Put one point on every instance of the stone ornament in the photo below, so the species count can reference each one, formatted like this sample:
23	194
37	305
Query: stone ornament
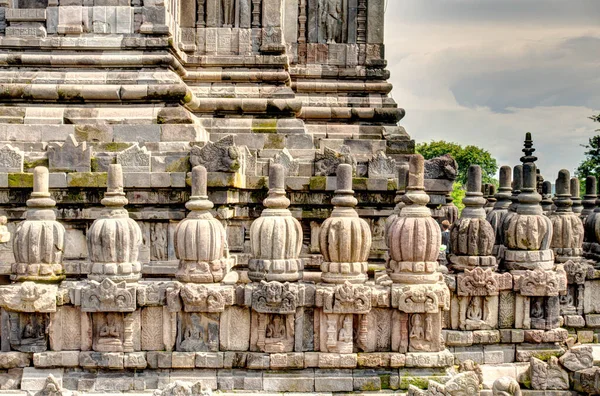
135	159
326	164
69	156
205	297
39	241
479	282
220	156
528	233
567	236
382	166
29	297
152	293
472	236
285	159
506	386
114	239
402	180
275	297
276	236
200	240
420	298
589	199
344	238
501	209
547	203
11	159
576	196
108	296
542	283
347	298
415	237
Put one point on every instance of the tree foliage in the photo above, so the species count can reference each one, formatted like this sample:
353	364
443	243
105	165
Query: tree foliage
464	156
590	166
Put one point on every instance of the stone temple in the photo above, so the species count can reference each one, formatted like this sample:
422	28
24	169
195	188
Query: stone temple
215	195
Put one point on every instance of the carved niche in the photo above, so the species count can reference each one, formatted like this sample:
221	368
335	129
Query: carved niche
27	331
198	332
273	317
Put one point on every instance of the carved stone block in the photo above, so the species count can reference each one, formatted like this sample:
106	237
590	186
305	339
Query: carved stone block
275	297
108	296
158	329
272	333
29	297
27	331
197	332
70	155
234	329
337	332
70	329
11	159
344	299
205	297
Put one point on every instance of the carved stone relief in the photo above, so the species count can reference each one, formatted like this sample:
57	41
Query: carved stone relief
198	332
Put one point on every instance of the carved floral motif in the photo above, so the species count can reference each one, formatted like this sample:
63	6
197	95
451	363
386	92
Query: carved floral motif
108	296
344	299
275	297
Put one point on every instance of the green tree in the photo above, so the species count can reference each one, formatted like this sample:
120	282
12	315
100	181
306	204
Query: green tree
590	166
464	156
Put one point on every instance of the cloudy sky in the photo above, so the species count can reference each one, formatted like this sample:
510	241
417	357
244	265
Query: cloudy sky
484	72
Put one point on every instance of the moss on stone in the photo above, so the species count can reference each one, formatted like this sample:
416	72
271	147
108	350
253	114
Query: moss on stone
359	183
87	179
114	146
20	180
385	381
27	165
317	183
391	185
180	165
264	125
274	141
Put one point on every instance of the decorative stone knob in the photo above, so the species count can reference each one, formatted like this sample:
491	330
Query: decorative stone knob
472	237
402	183
415	237
114	239
589	199
345	239
276	236
39	241
567	236
498	215
200	239
528	232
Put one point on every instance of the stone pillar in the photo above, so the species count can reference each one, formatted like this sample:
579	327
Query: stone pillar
576	196
491	198
547	203
345	239
114	239
419	292
589	199
472	236
498	214
400	191
276	236
39	241
591	244
531	261
567	236
200	240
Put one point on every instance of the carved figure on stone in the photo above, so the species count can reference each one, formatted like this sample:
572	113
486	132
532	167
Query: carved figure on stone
228	14
206	298
4	233
326	164
331	18
198	332
27	331
346	298
52	388
39	241
272	333
109	332
220	156
276	236
181	388
475	310
345	238
113	257
200	239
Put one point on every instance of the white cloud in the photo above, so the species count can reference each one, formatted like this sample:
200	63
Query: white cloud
488	79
